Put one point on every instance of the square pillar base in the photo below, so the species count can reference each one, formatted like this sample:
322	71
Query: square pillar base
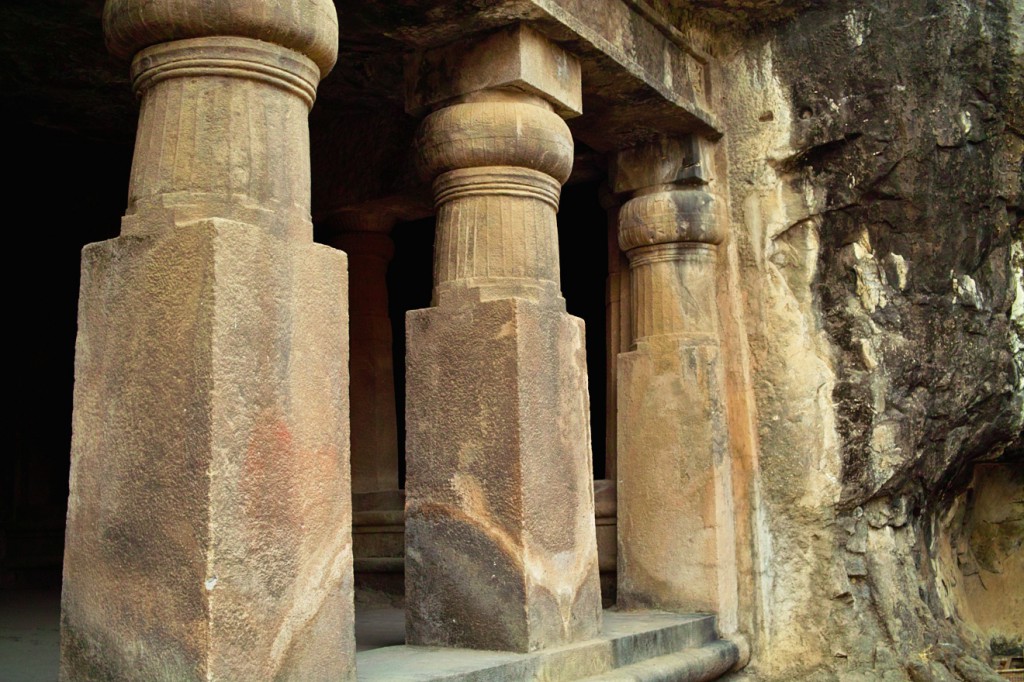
501	549
209	519
675	522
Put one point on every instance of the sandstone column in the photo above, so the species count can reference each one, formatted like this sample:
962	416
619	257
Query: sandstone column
208	531
618	326
676	547
366	239
501	548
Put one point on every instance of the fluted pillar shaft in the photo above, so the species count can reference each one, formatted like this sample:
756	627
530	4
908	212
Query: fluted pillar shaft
501	549
498	163
675	523
223	133
209	518
618	327
366	240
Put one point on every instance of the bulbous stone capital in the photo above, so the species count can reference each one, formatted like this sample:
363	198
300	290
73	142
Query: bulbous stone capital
309	27
670	216
497	133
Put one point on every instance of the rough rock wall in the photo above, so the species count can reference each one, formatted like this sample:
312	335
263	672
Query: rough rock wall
875	167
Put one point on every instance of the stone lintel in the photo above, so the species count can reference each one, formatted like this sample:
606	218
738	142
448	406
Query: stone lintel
663	161
641	80
632	95
516	57
628	57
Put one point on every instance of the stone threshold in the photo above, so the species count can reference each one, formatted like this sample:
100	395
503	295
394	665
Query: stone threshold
648	645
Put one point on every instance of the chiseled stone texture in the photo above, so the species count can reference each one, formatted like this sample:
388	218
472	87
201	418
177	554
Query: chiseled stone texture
501	551
209	527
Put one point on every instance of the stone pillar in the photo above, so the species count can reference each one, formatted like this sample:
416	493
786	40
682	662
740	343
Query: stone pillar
366	239
501	550
618	327
675	525
208	533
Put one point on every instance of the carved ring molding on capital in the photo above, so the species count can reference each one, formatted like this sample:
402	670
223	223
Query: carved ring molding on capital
309	27
680	215
226	56
490	181
478	134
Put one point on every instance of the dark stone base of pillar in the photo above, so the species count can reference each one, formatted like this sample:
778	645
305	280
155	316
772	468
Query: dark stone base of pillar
501	548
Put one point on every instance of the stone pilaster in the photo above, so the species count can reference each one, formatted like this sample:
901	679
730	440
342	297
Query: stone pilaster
676	548
366	239
501	549
208	531
618	327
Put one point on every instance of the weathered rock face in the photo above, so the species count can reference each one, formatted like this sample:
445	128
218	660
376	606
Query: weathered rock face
875	174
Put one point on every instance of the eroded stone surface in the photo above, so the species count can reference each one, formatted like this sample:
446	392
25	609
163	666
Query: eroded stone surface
876	221
673	451
500	543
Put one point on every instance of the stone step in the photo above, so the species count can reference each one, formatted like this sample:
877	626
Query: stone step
708	662
636	643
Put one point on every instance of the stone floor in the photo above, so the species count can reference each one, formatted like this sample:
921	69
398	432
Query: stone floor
30	633
30	637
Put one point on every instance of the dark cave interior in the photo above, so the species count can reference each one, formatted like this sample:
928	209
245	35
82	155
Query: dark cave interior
81	183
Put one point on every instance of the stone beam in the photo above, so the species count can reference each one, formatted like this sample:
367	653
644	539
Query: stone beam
640	79
606	36
501	546
208	532
675	519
